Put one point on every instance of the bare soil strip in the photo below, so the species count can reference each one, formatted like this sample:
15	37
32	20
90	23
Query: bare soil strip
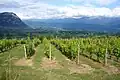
24	62
81	69
50	64
110	69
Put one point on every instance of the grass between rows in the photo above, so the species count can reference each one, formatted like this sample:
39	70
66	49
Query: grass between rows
36	72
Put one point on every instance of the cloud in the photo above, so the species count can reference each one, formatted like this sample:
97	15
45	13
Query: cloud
116	11
27	9
10	5
87	11
105	2
98	2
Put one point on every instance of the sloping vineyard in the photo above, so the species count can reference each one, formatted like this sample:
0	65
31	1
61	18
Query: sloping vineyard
98	49
7	44
41	57
29	45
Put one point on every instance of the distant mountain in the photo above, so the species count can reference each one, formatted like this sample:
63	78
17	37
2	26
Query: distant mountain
12	25
99	23
42	25
11	20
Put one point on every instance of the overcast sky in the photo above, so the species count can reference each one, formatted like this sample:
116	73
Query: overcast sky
41	9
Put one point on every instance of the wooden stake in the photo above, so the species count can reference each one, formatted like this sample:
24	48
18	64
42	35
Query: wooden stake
9	67
106	57
25	52
78	55
50	51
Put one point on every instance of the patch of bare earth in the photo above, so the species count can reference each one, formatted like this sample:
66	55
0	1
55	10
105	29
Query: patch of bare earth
81	68
24	62
50	64
110	69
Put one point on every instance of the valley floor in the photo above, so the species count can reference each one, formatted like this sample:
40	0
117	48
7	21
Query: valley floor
13	66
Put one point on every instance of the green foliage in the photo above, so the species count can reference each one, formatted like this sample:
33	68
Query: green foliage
7	44
48	49
29	49
30	46
89	47
36	42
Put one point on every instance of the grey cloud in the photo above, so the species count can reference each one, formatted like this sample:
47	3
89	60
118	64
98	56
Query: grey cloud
10	5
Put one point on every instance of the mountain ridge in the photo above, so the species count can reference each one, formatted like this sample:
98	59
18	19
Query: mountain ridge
12	25
100	23
11	20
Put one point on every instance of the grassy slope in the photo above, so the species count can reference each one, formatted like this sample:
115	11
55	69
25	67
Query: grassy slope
37	73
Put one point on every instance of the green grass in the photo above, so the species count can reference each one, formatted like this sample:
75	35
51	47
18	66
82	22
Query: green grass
36	72
39	55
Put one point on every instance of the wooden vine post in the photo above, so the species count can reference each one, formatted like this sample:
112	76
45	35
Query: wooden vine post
50	52
106	55
25	52
9	67
78	55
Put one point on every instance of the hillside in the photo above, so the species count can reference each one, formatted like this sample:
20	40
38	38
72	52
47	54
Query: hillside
99	23
11	20
11	24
